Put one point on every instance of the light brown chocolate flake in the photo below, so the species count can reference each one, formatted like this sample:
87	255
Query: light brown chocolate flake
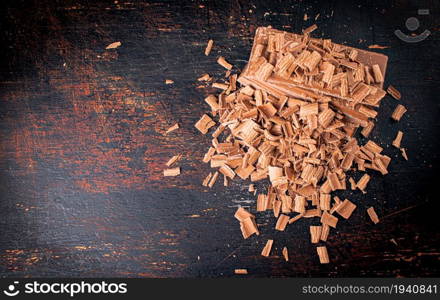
171	172
325	231
262	202
326	117
367	129
310	29
378	77
266	250
324	201
394	92
173	159
172	128
352	183
370	113
267	110
282	222
204	124
207	179
329	220
242	214
212	101
209	47
373	147
323	255
308	109
285	254
213	179
376	46
248	227
222	61
328	73
208	155
299	204
264	72
346	208
276	207
362	183
373	216
398	112
204	77
353	54
311	213
312	60
344	86
275	173
334	182
398	139
404	154
295	218
227	171
113	45
221	86
315	234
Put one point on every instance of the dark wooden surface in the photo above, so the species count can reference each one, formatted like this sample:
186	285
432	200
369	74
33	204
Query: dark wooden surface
82	147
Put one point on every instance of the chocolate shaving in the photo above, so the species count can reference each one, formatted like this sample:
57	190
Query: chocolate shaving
285	254
323	255
372	214
173	159
398	112
171	172
209	47
398	139
266	250
113	45
394	92
172	128
222	62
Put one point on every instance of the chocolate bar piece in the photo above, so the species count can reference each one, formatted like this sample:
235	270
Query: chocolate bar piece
288	64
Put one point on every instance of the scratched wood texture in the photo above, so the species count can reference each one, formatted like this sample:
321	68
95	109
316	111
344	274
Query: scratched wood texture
82	147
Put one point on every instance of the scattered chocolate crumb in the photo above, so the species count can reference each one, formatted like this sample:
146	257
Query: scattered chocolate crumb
285	254
394	92
398	112
266	250
171	172
113	45
172	128
373	216
323	255
375	46
209	47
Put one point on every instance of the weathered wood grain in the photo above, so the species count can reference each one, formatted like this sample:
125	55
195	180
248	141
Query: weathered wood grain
82	144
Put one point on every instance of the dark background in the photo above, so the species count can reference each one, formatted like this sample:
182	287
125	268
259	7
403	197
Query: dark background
82	147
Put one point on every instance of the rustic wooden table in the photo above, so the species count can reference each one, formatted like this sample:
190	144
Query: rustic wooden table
82	147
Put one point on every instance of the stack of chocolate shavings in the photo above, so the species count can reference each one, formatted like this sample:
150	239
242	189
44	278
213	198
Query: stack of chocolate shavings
293	121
